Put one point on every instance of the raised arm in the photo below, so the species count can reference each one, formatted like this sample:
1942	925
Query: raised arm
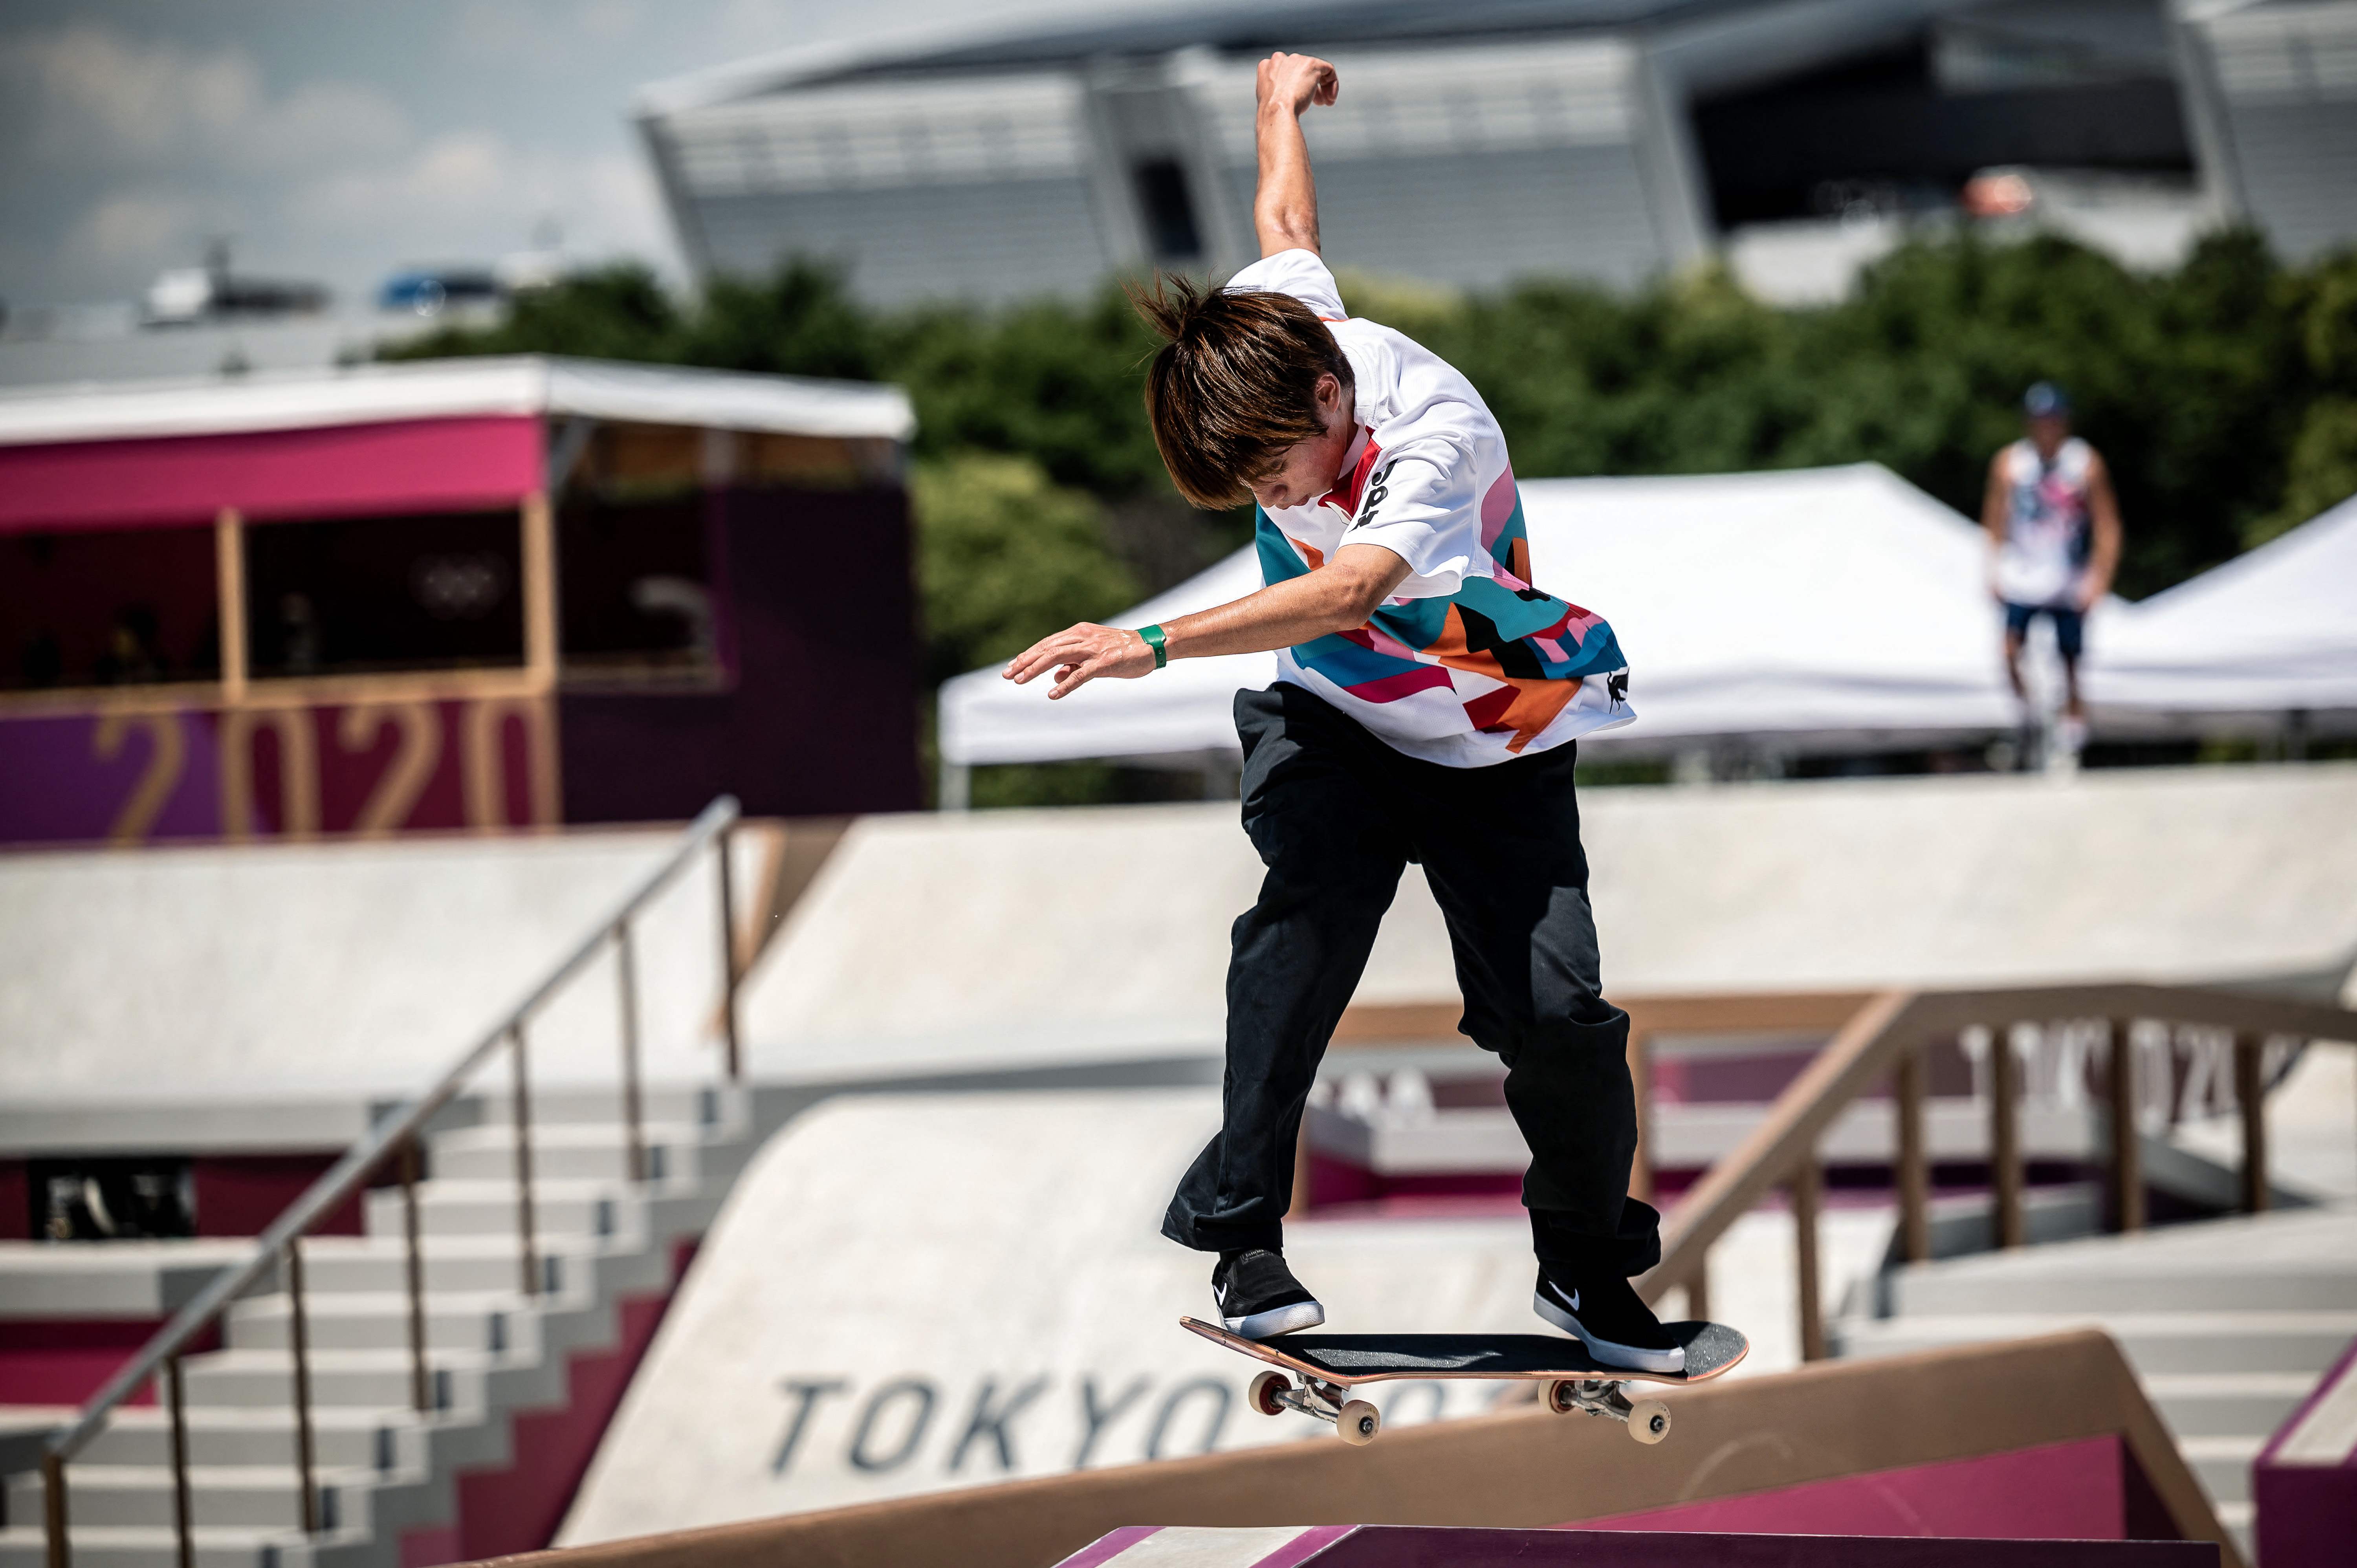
1285	209
1337	596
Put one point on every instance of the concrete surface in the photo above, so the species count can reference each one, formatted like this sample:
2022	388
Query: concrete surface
117	1279
2311	1126
1025	937
891	1274
180	987
2229	1323
501	1363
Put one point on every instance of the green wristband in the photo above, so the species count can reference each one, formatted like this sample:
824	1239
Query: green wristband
1153	635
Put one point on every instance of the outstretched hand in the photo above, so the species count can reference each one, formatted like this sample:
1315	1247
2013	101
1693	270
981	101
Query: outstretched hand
1296	81
1079	654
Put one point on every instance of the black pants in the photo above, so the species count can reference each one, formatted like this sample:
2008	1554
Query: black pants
1335	815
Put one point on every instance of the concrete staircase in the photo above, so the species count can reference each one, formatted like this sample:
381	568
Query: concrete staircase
2229	1323
512	1401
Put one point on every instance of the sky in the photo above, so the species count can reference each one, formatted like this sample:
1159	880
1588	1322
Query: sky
338	141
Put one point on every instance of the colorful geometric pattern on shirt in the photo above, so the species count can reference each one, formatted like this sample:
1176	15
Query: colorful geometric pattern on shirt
1538	646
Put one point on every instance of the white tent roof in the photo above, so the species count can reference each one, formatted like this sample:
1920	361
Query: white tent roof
442	389
1183	708
1834	606
2268	632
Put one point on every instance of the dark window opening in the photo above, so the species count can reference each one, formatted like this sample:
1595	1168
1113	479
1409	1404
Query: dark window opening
635	594
108	609
361	595
111	1199
1882	133
1168	210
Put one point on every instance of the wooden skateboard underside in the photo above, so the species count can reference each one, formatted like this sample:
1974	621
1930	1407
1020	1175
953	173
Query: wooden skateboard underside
1348	1359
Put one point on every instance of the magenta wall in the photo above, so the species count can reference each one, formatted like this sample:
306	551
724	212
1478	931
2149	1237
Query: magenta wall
414	465
2091	1489
2307	1513
819	716
1427	1546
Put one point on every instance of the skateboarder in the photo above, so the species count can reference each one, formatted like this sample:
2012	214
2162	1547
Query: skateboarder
1427	702
2055	541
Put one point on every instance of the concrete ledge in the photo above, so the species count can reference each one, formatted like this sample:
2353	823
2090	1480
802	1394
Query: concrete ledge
83	1280
1527	1468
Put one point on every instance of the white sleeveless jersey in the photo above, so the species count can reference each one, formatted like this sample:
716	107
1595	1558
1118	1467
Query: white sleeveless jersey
2048	531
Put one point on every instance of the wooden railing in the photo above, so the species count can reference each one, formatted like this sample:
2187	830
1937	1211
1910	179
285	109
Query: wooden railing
1885	1039
395	1140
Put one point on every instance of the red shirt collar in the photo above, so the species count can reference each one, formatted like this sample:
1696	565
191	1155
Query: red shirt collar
1358	462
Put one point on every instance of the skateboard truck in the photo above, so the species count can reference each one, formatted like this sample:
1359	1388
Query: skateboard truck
1355	1421
1648	1419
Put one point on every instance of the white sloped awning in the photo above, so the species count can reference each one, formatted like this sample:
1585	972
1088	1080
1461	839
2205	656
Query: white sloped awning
1181	709
1833	607
449	389
2270	633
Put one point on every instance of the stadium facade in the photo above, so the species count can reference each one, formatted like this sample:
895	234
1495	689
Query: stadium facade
1494	139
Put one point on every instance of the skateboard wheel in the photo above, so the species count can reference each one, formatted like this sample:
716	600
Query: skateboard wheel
1648	1420
1357	1422
1558	1397
1262	1395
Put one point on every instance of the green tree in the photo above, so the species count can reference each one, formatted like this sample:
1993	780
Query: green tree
614	313
1003	557
2224	392
2323	471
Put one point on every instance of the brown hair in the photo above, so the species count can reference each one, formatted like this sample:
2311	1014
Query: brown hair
1235	385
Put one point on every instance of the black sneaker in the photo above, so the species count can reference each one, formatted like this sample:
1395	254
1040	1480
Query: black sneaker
1258	1296
1619	1328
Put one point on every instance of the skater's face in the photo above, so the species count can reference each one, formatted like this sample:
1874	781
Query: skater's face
1308	469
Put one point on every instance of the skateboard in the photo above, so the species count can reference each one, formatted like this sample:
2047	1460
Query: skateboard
1331	1366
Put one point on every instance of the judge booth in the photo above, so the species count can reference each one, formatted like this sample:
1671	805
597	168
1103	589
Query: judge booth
473	595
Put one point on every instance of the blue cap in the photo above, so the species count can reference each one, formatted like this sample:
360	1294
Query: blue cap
2045	401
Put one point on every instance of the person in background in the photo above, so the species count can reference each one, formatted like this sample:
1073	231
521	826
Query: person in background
2055	541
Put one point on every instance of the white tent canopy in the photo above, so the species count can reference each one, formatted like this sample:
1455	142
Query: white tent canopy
1182	710
2271	634
1837	607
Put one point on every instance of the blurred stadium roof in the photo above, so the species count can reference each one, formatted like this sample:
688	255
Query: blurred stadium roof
1604	139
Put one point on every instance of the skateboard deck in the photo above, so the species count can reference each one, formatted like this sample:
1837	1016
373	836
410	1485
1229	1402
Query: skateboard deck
1328	1366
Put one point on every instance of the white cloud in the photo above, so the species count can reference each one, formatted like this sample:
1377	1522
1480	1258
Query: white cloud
139	230
95	96
612	19
546	39
460	191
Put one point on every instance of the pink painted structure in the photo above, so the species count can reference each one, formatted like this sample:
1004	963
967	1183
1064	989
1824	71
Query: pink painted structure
2090	1489
226	609
2305	1480
2080	1504
423	464
1415	1546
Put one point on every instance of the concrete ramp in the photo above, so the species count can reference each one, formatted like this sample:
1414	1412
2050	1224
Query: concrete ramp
959	941
913	1292
329	974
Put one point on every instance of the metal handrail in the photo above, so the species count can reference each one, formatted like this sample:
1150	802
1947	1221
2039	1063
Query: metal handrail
1887	1035
396	1132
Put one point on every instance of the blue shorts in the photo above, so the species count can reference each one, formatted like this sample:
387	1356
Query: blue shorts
2070	625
